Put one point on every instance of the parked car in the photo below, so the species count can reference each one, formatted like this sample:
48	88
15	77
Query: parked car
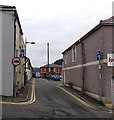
37	74
61	76
48	76
56	77
34	75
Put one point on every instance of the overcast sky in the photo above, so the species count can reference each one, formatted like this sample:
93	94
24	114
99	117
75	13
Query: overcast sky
59	22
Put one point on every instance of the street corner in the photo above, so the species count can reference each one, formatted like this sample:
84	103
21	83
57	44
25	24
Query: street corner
25	96
87	100
109	105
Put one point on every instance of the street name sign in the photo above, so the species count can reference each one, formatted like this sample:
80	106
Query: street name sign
110	59
16	61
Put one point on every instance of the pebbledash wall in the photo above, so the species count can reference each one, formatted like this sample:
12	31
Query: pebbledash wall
80	67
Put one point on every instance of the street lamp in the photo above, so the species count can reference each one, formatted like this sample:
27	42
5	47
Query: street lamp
25	58
30	42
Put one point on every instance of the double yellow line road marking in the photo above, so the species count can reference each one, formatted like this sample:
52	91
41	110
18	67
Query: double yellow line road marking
32	98
86	103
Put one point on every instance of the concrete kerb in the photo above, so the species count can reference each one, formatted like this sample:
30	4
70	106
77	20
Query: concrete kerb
23	96
79	95
27	97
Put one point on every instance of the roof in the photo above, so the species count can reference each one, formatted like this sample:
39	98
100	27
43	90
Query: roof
58	62
9	9
52	65
7	6
107	22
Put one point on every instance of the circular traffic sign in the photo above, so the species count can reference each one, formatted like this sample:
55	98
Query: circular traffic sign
16	61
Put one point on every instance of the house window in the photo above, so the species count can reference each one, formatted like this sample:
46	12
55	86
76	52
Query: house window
65	58
51	70
44	69
74	54
59	70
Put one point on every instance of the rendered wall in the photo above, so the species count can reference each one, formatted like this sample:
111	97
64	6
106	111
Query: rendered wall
7	53
0	64
85	74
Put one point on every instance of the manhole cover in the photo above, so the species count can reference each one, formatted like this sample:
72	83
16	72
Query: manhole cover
61	113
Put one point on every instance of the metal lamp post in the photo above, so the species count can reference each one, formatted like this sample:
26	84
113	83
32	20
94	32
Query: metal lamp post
26	42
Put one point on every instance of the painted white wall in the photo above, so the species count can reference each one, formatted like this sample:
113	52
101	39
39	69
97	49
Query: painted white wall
0	64
29	73
7	53
1	52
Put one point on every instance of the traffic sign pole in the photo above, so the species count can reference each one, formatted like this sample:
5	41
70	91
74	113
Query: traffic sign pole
100	82
99	58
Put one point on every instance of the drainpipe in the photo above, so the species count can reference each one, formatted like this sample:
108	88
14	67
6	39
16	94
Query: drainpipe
14	76
83	54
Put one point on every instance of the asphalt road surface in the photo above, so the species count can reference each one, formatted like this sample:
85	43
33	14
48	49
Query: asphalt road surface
51	102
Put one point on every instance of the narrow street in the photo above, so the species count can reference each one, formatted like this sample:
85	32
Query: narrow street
51	102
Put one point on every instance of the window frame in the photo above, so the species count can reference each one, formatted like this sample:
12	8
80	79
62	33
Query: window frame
73	53
65	58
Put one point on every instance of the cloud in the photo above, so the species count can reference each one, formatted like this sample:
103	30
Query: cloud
59	22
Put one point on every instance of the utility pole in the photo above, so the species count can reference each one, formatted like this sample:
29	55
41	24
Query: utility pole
48	59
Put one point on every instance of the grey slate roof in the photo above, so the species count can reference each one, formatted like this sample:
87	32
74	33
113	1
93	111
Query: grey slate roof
52	65
58	62
109	20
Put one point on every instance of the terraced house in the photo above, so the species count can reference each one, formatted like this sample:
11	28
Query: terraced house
83	70
53	69
11	39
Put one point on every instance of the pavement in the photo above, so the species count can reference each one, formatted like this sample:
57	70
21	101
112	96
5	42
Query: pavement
22	96
87	99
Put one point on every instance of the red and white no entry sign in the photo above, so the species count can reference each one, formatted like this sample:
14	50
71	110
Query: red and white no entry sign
16	61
